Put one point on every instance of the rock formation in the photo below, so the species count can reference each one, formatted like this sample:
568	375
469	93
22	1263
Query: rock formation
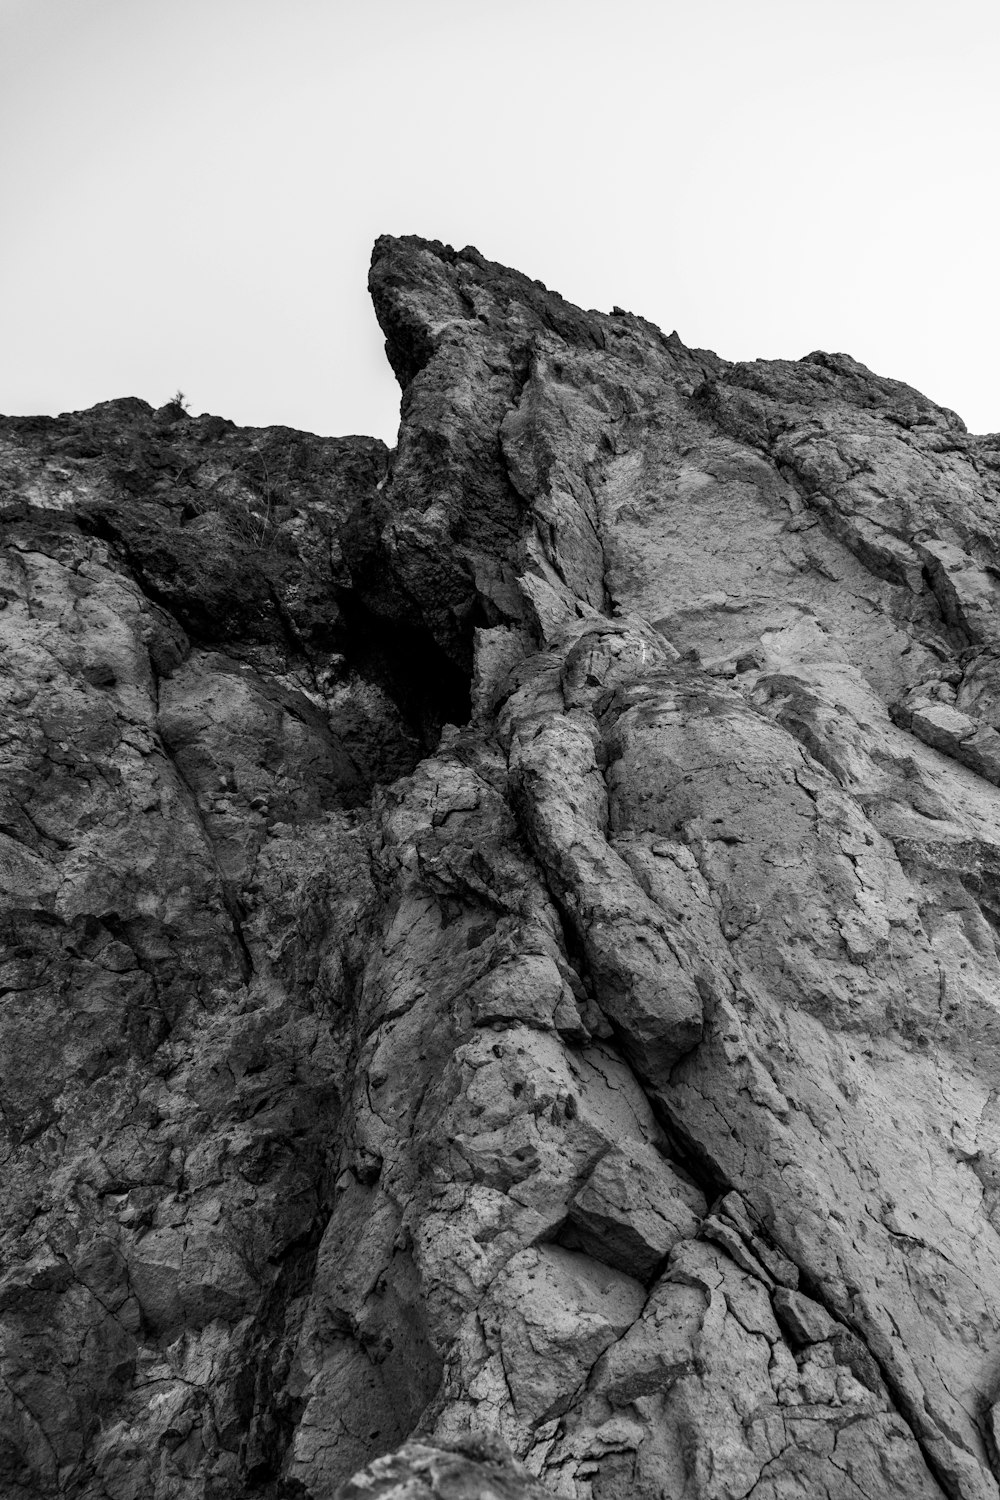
500	983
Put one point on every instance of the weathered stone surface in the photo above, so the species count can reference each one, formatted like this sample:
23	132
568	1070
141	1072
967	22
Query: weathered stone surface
500	937
633	1209
476	1469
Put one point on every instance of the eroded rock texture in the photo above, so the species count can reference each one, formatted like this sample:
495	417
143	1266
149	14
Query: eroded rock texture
500	937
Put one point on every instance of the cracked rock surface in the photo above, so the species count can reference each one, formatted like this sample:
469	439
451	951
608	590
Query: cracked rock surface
500	988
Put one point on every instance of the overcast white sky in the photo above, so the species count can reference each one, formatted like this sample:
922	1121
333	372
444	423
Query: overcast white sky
189	189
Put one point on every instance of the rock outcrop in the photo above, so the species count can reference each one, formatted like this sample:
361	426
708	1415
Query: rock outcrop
500	982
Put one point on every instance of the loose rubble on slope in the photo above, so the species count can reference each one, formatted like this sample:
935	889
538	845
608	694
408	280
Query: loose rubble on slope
500	985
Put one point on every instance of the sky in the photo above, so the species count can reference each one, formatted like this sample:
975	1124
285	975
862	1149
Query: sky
189	191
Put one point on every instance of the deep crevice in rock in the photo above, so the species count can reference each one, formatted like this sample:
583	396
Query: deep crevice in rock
429	688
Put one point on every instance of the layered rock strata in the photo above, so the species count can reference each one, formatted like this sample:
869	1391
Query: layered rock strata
500	937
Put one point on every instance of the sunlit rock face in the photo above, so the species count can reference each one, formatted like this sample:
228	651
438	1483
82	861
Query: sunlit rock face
500	986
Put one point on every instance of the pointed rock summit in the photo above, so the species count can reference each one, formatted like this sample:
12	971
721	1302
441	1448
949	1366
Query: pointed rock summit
500	984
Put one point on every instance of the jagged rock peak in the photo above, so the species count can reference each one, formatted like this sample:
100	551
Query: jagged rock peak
499	989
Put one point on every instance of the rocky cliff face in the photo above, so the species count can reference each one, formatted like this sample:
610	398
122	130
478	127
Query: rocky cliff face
500	938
